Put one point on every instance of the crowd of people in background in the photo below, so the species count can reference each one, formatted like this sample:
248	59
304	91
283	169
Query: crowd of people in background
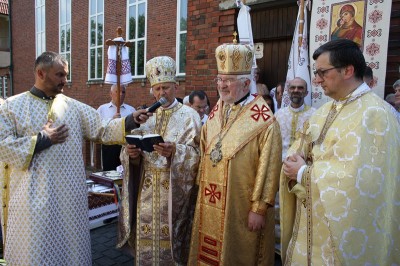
207	194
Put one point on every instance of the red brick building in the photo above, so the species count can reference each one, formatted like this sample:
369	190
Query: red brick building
187	30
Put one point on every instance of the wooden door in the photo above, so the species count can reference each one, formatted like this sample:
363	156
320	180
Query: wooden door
274	26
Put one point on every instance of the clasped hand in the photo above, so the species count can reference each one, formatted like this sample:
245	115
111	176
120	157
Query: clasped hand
292	165
56	134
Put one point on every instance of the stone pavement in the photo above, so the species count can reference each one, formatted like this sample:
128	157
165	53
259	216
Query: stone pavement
104	252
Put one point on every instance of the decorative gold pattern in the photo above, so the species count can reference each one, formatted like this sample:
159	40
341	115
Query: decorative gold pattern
234	59
343	168
147	183
146	229
165	184
291	121
181	125
245	179
165	230
47	210
160	69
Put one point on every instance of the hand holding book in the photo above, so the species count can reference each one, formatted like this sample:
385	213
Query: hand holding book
165	149
146	142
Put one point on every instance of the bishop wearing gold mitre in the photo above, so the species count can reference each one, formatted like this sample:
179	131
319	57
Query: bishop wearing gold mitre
239	170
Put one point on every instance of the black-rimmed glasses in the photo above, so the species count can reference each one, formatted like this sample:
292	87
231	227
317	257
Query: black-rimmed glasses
321	72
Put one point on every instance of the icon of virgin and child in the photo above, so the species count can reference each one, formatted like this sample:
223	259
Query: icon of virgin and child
346	26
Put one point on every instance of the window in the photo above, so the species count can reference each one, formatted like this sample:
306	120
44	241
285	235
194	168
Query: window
181	30
136	31
96	39
4	87
65	32
40	26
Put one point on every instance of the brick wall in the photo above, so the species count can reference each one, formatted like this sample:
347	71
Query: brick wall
208	27
161	40
23	44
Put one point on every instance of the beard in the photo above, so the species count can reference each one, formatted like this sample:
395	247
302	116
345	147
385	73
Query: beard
296	99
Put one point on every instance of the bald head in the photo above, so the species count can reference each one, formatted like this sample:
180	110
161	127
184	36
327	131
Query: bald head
114	94
297	91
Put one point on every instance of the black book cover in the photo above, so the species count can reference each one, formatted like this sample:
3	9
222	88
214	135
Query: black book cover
145	142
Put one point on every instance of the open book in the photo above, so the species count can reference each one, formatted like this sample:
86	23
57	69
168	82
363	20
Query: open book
146	142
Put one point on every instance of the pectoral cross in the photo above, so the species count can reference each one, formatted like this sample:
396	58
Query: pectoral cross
304	137
119	45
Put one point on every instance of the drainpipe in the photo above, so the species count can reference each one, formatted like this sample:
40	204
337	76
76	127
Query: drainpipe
10	87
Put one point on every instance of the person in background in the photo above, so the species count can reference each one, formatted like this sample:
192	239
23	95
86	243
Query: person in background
396	87
291	120
391	99
262	89
340	179
276	94
270	102
155	220
239	171
44	197
198	100
110	153
369	77
185	100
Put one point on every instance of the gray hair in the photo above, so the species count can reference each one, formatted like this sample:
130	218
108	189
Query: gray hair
396	84
47	59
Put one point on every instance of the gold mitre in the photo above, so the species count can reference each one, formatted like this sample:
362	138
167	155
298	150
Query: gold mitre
234	58
160	69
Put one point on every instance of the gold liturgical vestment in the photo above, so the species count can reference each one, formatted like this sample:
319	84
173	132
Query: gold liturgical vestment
46	194
246	179
351	213
156	189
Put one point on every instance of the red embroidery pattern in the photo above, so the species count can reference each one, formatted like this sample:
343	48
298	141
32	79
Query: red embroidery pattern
260	112
214	195
210	241
208	260
211	115
209	251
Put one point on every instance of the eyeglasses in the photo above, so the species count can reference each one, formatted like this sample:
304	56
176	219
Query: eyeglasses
321	72
228	82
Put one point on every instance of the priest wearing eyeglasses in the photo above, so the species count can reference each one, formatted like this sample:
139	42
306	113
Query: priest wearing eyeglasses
239	170
339	187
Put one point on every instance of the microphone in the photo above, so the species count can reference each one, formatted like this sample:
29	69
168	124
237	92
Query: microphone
155	105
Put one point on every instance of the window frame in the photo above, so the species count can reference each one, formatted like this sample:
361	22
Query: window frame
136	40
96	46
40	7
60	26
179	33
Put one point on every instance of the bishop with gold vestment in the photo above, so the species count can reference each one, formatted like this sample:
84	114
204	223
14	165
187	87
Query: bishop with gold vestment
239	171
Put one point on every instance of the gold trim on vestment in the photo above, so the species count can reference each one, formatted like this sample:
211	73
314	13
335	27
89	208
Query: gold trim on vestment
211	240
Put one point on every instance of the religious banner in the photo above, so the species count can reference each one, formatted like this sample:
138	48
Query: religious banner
365	22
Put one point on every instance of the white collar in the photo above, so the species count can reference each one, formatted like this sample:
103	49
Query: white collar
113	105
296	110
172	105
363	88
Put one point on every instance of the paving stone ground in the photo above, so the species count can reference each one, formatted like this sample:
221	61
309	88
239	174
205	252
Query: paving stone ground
104	253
